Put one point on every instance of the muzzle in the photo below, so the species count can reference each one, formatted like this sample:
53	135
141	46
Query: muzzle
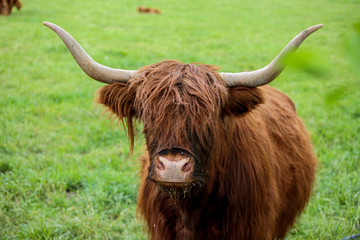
172	166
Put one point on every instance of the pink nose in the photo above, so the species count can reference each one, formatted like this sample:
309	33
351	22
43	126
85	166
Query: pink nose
174	169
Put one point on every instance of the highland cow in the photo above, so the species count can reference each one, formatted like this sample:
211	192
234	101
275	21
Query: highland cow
227	156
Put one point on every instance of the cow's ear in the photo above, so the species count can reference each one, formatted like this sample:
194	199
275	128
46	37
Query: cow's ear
118	98
243	100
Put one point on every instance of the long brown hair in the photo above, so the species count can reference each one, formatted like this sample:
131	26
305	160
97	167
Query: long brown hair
249	143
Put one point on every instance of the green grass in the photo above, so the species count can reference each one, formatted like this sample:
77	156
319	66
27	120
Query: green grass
64	173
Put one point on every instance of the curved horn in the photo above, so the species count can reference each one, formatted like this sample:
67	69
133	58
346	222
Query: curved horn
95	70
272	70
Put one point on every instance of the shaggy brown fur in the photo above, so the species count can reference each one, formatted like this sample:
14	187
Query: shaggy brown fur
7	5
254	161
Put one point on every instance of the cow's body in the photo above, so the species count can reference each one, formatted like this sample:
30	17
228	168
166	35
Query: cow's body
251	151
263	182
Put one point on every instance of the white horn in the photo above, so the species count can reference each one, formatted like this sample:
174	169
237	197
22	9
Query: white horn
272	70
88	65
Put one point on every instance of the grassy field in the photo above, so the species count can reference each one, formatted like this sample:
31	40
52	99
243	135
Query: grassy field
64	172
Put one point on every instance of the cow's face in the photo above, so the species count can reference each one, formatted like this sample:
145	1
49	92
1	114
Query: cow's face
180	106
183	108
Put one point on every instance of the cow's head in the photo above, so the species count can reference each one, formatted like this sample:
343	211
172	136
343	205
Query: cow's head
182	106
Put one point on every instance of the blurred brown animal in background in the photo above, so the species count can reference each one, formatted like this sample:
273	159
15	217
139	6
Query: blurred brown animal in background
7	5
149	10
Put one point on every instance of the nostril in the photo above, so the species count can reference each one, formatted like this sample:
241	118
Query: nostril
187	167
160	165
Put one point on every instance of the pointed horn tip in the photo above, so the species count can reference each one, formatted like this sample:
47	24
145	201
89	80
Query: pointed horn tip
313	28
47	23
50	25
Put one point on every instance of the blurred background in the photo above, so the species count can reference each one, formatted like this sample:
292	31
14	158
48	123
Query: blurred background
65	173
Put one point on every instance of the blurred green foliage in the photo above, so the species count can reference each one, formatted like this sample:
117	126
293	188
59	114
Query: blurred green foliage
309	62
351	46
